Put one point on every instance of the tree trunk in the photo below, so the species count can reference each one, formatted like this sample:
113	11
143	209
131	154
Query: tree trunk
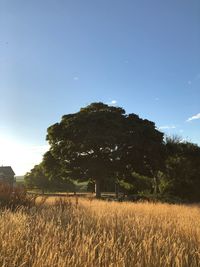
74	189
116	190
155	185
97	189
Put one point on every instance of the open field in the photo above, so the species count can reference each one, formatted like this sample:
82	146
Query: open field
81	232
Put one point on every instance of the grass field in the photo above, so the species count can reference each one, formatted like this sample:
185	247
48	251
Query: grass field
92	233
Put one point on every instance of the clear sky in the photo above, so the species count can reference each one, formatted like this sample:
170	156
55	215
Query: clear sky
58	56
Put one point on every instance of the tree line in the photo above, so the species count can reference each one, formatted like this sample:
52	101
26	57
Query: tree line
105	146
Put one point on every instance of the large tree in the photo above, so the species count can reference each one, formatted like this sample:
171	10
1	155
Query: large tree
101	142
142	151
58	177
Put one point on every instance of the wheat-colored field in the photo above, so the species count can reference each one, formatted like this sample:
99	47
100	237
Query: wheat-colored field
94	233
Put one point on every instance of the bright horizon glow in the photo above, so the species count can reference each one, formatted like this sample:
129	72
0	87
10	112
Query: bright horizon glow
20	156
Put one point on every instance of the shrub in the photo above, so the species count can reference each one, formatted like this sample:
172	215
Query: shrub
13	197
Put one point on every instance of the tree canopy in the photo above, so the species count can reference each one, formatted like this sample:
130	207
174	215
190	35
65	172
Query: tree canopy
37	178
183	169
102	142
105	146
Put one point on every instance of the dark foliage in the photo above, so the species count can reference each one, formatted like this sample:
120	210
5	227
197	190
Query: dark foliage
102	143
112	150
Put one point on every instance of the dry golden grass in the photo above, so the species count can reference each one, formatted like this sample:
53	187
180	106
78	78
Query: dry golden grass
94	233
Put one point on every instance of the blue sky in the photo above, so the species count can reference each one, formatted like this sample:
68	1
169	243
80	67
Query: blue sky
58	56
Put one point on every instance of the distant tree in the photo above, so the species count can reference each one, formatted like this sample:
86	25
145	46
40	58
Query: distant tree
101	143
37	178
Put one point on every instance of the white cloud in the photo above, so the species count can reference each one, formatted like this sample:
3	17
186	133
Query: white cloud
113	102
195	117
167	127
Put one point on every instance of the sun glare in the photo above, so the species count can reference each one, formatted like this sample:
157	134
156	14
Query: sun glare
22	157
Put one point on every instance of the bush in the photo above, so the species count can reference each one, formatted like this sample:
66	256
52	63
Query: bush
160	198
13	197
